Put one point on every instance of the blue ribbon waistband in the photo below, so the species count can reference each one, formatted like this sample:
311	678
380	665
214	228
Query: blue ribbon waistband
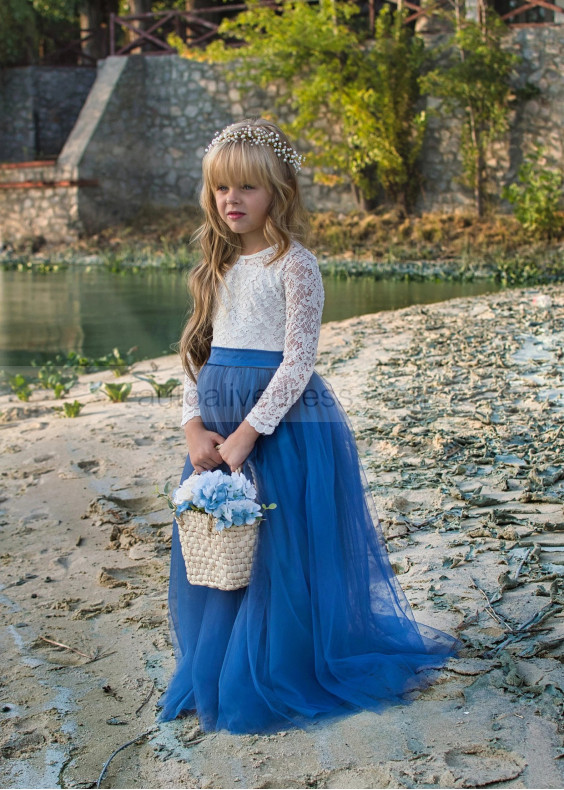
248	357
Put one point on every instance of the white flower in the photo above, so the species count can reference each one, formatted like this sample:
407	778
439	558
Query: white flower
259	136
184	492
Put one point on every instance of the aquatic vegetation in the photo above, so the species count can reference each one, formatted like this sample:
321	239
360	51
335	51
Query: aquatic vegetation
22	263
80	363
135	259
529	269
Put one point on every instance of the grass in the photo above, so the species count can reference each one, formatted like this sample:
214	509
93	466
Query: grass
382	243
426	237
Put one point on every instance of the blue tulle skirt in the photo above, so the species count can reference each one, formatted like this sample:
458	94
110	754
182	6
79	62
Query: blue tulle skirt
324	628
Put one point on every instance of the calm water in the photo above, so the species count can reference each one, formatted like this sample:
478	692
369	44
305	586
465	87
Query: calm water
92	311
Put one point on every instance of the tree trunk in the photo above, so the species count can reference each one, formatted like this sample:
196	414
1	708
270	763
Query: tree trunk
92	17
478	162
479	185
140	7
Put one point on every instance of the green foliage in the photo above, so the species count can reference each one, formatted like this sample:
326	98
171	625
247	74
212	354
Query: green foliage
117	393
29	27
56	10
79	363
116	362
529	268
72	409
135	260
475	82
164	390
20	385
52	377
536	196
18	32
166	494
352	99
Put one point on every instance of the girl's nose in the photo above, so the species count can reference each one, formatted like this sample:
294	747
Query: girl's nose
232	197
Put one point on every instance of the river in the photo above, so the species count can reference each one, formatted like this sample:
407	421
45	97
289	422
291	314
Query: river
92	310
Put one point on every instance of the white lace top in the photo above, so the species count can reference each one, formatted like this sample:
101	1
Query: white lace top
277	308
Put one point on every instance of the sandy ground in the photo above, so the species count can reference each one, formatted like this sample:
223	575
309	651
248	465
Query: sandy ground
458	410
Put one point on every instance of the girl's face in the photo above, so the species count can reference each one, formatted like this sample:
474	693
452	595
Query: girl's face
244	209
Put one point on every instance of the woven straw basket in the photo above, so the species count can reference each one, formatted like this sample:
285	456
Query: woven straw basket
216	559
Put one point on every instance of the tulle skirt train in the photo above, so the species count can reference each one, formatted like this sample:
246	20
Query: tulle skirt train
324	628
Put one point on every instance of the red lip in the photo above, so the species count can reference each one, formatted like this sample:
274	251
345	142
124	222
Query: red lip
235	214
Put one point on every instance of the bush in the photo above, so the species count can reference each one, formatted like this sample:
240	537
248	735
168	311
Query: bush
536	196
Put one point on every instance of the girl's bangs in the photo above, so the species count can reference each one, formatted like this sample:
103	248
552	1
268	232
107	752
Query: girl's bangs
239	164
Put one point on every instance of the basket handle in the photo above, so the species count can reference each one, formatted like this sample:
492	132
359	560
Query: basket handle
239	469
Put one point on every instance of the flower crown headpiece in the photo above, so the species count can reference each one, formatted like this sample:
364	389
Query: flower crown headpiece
260	136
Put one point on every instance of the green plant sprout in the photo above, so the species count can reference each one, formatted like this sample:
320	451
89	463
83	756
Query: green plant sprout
161	390
49	377
72	409
117	393
20	385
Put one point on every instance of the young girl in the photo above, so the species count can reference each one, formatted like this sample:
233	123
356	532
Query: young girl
323	628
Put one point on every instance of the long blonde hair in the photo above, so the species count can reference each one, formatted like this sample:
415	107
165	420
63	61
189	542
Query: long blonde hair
236	161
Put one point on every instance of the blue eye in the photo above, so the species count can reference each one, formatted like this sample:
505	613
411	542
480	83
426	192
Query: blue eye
221	188
248	186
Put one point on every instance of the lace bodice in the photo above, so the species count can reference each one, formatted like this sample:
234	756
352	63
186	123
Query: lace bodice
276	308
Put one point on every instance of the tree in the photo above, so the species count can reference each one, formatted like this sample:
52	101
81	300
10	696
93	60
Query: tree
94	17
475	82
32	30
57	25
18	33
537	195
353	99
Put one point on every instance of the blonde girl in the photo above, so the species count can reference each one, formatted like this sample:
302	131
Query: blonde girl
323	628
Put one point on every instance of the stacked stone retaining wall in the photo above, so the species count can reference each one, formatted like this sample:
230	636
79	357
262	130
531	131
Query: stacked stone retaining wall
38	109
37	203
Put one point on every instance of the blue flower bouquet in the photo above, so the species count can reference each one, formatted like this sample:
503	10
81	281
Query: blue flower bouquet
218	516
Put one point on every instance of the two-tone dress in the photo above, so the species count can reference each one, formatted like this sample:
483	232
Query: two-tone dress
324	628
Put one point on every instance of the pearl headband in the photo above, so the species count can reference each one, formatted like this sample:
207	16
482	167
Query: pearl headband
257	135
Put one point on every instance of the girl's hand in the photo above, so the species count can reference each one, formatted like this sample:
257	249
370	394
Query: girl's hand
202	445
238	445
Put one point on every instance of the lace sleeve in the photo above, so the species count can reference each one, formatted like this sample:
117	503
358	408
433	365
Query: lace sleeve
190	407
304	293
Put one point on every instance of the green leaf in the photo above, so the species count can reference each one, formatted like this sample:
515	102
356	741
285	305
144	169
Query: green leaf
72	409
353	100
117	393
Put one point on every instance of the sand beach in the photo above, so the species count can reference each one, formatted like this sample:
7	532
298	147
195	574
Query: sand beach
458	410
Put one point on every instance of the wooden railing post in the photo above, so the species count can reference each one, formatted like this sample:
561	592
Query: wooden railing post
112	33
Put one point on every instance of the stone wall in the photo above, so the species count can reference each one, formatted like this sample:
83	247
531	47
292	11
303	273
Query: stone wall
186	102
109	143
59	95
38	109
17	126
37	205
